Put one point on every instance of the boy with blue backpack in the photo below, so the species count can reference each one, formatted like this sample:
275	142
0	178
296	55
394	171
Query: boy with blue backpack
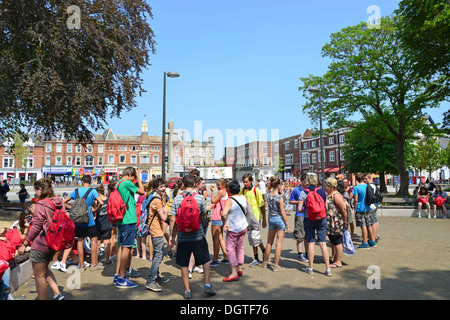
155	207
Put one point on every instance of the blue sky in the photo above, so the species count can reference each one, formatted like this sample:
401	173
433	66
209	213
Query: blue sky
239	64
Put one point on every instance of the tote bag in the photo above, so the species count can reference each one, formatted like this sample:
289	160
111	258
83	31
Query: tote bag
347	243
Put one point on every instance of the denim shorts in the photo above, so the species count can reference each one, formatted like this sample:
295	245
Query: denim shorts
218	223
127	234
276	223
313	227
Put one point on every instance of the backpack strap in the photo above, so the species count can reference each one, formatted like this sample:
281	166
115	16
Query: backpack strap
239	205
87	193
44	233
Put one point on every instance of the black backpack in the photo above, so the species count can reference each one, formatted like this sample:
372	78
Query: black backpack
79	213
373	194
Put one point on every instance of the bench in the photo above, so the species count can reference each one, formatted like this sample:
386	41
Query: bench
391	206
21	271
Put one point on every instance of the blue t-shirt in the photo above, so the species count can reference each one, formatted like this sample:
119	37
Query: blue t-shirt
295	196
360	191
90	200
304	193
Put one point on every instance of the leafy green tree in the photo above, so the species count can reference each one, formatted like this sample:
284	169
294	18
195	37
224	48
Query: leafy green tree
370	74
427	155
65	66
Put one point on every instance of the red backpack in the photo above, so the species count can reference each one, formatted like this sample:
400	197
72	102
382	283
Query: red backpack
116	208
61	233
188	215
315	206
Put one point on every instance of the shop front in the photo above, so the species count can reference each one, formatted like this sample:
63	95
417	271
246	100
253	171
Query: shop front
61	175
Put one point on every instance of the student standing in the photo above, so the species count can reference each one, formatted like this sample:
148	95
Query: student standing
236	227
362	215
191	242
127	227
86	230
315	226
278	223
157	215
218	202
256	200
299	229
41	254
103	225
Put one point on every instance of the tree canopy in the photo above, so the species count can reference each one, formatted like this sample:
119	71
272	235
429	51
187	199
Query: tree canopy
64	71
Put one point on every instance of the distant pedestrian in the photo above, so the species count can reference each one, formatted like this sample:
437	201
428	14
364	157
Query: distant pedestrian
362	215
440	203
22	193
423	201
286	196
299	229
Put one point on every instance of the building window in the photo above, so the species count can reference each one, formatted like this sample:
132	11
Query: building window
59	148
58	161
100	148
313	144
100	160
287	146
305	145
30	149
330	140
289	159
296	144
48	147
110	158
145	159
122	158
47	161
341	138
331	156
78	149
342	155
69	161
8	162
313	158
89	149
155	159
89	161
305	158
28	163
78	161
133	159
69	148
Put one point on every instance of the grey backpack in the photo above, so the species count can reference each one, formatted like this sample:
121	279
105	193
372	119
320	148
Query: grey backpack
79	213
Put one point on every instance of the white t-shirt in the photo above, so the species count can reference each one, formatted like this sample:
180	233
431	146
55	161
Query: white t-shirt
236	218
262	187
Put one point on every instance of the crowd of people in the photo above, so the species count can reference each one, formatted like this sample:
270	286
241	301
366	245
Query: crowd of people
155	220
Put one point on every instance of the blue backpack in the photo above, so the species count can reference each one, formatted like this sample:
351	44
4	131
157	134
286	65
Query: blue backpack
144	228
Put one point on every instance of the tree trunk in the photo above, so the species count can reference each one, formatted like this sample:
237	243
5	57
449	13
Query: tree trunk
383	187
404	177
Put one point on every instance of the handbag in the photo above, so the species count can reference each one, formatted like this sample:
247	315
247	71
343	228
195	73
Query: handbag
347	243
439	201
253	223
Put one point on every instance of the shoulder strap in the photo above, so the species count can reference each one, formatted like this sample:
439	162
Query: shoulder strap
48	200
77	195
242	208
87	193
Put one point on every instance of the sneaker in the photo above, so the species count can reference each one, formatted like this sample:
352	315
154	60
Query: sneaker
225	261
55	266
372	244
132	273
162	280
328	273
277	268
214	263
96	267
302	257
254	263
116	276
190	274
187	295
363	246
153	286
198	270
209	290
58	297
309	270
62	267
124	283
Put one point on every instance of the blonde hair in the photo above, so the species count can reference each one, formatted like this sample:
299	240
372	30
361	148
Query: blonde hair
331	182
311	180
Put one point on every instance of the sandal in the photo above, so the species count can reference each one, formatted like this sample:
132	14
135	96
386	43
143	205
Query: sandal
334	265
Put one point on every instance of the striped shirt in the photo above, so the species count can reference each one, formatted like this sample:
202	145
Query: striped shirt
192	236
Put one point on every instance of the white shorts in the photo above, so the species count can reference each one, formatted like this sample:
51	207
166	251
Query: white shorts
254	237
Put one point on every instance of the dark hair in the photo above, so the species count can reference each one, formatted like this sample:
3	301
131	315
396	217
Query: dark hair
195	172
423	189
46	186
340	186
359	176
157	182
234	187
111	186
86	179
129	171
100	189
188	181
247	176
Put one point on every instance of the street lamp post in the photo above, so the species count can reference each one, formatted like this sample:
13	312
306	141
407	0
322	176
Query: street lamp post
315	89
163	168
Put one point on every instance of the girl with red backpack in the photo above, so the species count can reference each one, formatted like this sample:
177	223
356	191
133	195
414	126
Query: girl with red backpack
41	254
